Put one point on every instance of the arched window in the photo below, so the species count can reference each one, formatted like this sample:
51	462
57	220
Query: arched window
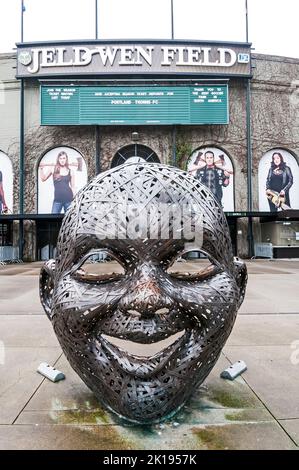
134	153
6	184
213	167
61	173
278	181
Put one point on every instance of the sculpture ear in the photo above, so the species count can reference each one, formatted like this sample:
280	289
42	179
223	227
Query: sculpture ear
241	277
46	285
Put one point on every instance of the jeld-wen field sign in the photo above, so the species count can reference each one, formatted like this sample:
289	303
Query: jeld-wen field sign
62	105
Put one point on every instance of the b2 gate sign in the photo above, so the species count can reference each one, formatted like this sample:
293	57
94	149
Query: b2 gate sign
154	105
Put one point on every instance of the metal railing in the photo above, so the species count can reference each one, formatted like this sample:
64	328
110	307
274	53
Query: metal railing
9	254
263	250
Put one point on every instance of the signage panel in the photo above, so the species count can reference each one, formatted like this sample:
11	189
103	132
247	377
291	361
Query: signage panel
63	105
96	58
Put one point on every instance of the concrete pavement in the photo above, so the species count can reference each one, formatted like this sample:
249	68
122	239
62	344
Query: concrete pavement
259	410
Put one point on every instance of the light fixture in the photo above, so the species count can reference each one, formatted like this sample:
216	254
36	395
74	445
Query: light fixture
135	136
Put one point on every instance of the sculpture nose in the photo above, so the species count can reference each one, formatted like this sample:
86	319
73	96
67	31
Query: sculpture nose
145	298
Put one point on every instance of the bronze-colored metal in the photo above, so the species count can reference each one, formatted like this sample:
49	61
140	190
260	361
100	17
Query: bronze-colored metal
147	303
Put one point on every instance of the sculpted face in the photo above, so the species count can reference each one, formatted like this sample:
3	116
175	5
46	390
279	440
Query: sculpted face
145	336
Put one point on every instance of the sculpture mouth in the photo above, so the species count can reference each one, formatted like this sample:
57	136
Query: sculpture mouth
141	350
146	360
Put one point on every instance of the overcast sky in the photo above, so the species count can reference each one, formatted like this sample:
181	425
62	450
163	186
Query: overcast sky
273	24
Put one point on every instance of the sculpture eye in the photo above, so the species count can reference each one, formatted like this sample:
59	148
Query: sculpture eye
193	266
98	267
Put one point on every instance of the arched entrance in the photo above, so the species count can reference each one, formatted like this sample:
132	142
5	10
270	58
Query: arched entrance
134	152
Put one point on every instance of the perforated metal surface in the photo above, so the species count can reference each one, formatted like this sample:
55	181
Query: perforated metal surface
147	303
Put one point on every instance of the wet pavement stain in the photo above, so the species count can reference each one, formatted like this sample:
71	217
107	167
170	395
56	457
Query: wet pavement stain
87	412
204	422
78	417
104	438
211	438
96	427
236	416
229	399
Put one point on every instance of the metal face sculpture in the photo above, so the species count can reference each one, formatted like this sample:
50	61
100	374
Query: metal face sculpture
103	320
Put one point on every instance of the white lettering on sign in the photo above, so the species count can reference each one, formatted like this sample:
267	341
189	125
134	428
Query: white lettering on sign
146	54
133	55
48	57
61	57
223	53
168	55
127	55
82	56
35	61
121	102
198	56
107	54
